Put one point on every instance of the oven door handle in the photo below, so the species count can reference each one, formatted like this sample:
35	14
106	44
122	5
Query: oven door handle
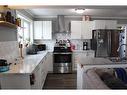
62	53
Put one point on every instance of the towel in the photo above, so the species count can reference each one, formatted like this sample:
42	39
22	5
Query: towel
121	74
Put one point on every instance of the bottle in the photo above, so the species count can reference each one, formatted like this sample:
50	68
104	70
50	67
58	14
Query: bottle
85	45
2	17
8	16
18	21
68	43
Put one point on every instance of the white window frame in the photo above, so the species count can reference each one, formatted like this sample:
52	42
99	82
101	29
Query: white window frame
26	19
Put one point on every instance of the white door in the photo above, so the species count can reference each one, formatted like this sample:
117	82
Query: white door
37	29
76	29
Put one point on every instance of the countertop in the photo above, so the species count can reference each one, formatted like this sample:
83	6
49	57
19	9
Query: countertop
94	61
83	51
88	63
26	65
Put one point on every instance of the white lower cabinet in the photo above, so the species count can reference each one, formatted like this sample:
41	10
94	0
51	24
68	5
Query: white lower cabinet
41	73
77	57
33	80
15	81
35	77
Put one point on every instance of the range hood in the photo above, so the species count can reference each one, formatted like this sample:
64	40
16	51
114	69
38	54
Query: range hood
61	24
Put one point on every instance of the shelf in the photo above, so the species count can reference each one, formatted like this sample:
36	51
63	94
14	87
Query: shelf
8	24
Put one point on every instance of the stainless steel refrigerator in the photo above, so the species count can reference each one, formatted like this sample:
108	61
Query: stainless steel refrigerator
105	43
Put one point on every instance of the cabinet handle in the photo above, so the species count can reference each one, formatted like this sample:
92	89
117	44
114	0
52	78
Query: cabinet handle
32	79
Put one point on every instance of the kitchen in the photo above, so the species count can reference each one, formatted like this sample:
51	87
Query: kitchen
39	42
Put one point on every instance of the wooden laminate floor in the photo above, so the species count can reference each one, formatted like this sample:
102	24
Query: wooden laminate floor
60	81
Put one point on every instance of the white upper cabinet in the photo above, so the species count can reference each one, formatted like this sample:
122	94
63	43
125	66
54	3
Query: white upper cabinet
81	29
37	29
110	24
76	29
42	29
87	29
47	29
104	24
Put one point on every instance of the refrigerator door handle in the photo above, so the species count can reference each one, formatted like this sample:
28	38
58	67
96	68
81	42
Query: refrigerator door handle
109	43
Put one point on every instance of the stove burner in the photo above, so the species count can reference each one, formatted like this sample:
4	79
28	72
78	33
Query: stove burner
62	49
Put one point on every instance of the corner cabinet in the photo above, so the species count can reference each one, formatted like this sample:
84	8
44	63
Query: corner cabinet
43	30
81	29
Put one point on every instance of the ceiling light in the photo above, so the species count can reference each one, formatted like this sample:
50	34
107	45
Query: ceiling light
79	10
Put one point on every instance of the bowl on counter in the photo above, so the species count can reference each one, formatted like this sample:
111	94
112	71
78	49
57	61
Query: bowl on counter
4	68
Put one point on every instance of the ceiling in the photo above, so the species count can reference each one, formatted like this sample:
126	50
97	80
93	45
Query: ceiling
93	11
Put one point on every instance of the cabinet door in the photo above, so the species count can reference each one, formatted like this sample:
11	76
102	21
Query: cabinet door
77	58
98	24
87	29
15	81
75	61
43	72
76	29
38	30
110	24
80	56
105	24
37	76
47	29
50	62
90	54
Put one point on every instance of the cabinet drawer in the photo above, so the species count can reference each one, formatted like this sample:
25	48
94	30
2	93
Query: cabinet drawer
43	77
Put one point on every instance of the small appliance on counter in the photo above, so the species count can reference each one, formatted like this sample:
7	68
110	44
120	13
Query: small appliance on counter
32	49
41	47
4	66
85	45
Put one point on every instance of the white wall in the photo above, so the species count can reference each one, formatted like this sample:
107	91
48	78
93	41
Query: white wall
9	50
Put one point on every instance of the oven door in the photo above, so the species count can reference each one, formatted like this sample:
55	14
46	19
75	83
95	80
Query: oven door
63	69
62	57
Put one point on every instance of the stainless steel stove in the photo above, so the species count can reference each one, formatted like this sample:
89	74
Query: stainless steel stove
62	60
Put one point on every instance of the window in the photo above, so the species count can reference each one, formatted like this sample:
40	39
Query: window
25	33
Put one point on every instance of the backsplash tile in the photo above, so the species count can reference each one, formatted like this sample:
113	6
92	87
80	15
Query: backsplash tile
63	36
79	43
9	50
